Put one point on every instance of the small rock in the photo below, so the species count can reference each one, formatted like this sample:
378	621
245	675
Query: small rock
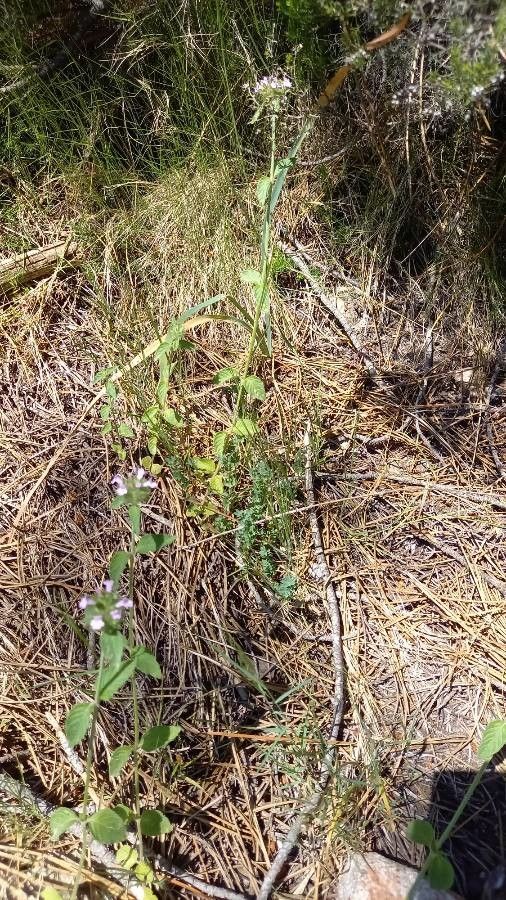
370	876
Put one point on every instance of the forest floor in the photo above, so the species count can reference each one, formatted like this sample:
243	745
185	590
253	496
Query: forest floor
406	411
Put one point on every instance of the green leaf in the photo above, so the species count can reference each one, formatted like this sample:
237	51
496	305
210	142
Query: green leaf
219	442
124	812
112	648
145	873
154	823
107	827
245	428
225	376
159	736
263	188
147	663
134	514
77	722
216	484
151	543
50	893
251	276
113	678
111	390
440	872
493	740
254	387
152	444
105	412
173	418
103	374
61	820
421	832
126	856
125	431
106	429
202	464
119	759
151	416
118	564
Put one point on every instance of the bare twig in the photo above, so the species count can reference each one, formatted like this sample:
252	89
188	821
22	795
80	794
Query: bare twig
311	807
453	490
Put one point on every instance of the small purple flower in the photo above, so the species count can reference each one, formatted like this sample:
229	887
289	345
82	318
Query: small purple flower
85	602
116	614
124	603
119	485
97	623
108	586
141	481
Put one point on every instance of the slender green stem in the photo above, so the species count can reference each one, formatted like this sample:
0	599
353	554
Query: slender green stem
450	828
265	258
135	701
87	778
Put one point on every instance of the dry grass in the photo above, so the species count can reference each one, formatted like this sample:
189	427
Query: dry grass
419	570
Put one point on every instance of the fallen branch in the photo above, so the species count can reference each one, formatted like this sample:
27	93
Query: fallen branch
35	264
311	807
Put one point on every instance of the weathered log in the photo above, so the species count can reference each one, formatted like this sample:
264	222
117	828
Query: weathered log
34	264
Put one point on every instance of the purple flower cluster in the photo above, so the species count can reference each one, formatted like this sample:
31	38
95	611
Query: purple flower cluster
138	481
104	607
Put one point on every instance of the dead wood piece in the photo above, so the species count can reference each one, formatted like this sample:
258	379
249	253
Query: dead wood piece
35	264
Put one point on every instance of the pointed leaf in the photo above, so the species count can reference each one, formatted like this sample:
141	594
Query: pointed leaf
245	428
154	823
151	543
61	820
173	418
421	832
113	678
440	872
255	387
219	442
107	827
159	736
147	663
216	484
119	759
225	376
493	740
77	722
118	564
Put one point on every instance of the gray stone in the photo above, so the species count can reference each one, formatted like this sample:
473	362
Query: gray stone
370	876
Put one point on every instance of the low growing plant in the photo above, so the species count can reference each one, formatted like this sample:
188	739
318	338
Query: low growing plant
110	615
